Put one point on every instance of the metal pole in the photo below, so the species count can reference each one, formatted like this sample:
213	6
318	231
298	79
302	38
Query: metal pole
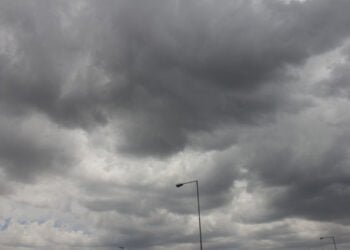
335	245
333	239
199	210
199	218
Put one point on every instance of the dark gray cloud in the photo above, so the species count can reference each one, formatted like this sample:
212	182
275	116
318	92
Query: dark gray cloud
37	55
337	85
162	92
172	68
322	190
38	72
27	151
193	67
311	174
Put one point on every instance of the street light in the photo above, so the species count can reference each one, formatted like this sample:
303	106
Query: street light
333	239
199	211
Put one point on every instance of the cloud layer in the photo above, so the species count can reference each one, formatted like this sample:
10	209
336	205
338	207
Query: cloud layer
104	106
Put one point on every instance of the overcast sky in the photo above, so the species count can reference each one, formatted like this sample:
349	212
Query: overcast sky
106	104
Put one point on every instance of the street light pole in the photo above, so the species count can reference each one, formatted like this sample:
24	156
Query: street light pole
199	210
333	239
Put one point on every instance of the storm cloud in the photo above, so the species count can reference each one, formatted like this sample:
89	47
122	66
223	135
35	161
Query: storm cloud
106	105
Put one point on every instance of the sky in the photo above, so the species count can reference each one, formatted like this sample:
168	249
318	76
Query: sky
106	104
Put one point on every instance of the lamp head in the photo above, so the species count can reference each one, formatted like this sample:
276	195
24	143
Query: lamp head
179	185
